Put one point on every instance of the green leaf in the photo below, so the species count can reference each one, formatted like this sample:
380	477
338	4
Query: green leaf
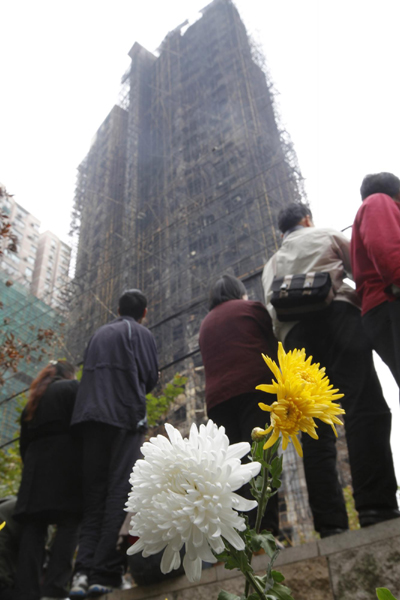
265	464
263	540
259	483
10	459
157	406
276	483
244	564
256	487
230	561
268	582
254	492
262	580
237	560
277	466
384	594
280	592
277	576
224	595
257	450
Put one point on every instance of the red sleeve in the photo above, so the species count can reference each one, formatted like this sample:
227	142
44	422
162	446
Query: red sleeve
380	233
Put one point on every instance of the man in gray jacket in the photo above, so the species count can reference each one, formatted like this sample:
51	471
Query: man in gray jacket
335	338
119	368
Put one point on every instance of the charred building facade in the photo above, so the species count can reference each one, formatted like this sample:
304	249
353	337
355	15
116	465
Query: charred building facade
183	182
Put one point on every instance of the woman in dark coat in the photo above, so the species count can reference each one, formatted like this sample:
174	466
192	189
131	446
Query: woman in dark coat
232	337
50	491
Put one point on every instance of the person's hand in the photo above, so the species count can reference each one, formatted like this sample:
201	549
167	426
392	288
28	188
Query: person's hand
395	290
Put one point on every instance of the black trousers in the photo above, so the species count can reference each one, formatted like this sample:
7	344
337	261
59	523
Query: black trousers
239	416
382	326
31	558
338	342
109	454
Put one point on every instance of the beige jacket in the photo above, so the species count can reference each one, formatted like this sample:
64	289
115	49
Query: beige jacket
303	251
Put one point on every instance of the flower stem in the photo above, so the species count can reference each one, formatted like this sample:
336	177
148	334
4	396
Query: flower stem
262	505
251	581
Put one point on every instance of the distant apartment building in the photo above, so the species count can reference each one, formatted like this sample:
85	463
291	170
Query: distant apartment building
24	316
19	266
41	262
50	274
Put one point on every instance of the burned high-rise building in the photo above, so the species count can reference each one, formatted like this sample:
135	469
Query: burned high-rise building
183	182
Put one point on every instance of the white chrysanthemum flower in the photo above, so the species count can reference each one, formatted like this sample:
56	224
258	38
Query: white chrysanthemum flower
183	493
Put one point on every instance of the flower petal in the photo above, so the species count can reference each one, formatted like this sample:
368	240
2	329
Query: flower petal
170	560
183	493
303	393
264	387
243	475
271	441
242	504
265	407
192	568
297	445
238	450
232	537
136	547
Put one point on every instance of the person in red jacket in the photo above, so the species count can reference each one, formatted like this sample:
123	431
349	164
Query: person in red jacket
375	256
232	337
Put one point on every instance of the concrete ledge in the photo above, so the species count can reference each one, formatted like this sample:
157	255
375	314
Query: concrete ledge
360	537
342	567
298	553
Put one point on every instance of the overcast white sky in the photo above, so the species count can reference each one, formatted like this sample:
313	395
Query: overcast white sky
335	65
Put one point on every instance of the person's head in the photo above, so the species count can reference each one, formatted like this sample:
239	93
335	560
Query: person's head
226	288
380	183
56	369
133	303
294	214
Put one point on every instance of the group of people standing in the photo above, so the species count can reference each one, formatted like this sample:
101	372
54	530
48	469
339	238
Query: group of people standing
340	338
79	442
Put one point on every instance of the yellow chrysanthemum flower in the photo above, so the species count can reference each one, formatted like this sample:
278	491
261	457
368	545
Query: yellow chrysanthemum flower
303	393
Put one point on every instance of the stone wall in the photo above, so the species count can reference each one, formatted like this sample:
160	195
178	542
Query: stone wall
349	566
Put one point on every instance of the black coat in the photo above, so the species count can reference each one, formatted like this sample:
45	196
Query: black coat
9	543
119	368
51	478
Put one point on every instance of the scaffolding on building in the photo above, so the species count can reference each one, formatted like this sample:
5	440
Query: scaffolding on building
183	182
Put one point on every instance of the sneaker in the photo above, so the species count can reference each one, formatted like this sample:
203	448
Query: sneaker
126	585
97	589
79	586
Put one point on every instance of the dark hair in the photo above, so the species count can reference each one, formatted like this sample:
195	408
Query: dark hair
292	214
380	183
58	369
132	303
226	288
